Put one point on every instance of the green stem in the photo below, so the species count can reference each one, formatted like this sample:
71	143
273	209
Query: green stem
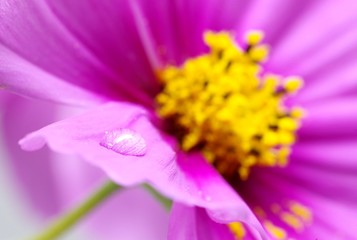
68	220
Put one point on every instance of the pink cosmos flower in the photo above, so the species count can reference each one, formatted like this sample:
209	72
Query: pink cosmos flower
105	57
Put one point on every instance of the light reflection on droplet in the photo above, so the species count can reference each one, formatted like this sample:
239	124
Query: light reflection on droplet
124	141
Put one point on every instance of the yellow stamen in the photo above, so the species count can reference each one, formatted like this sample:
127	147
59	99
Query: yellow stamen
275	231
292	221
237	229
254	37
301	211
293	84
221	104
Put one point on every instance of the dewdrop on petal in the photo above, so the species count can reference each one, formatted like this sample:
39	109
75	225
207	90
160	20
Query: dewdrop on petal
124	141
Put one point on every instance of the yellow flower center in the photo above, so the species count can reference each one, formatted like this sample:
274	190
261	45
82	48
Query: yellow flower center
223	104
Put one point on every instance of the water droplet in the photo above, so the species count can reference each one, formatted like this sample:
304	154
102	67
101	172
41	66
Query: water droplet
124	141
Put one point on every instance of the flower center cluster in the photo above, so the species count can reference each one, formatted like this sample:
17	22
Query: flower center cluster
223	105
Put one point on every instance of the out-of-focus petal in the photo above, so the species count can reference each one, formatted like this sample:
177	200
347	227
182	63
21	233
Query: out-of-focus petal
93	46
301	45
274	18
326	167
322	204
53	183
82	135
32	173
193	223
324	57
49	181
178	26
333	118
209	190
19	76
320	176
112	33
131	214
189	179
330	155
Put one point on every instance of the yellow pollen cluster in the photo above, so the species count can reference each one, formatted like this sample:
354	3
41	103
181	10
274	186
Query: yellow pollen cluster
294	216
238	230
221	104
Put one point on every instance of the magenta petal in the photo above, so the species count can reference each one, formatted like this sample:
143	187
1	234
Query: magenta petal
339	156
193	223
131	214
32	173
300	43
22	77
49	182
93	46
321	84
191	179
330	119
327	212
178	26
52	183
275	18
82	136
221	201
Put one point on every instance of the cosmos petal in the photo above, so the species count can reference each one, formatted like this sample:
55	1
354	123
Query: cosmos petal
193	223
188	179
171	24
333	155
327	168
131	214
333	118
319	57
33	177
300	44
325	210
82	135
66	40
274	18
19	76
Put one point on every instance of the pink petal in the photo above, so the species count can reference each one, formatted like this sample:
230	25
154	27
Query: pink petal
300	42
189	179
321	82
326	167
48	182
22	77
132	214
330	217
193	223
275	18
93	46
320	175
221	201
178	26
338	156
334	118
324	58
31	173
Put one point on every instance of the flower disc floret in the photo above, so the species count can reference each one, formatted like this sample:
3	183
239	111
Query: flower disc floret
222	104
